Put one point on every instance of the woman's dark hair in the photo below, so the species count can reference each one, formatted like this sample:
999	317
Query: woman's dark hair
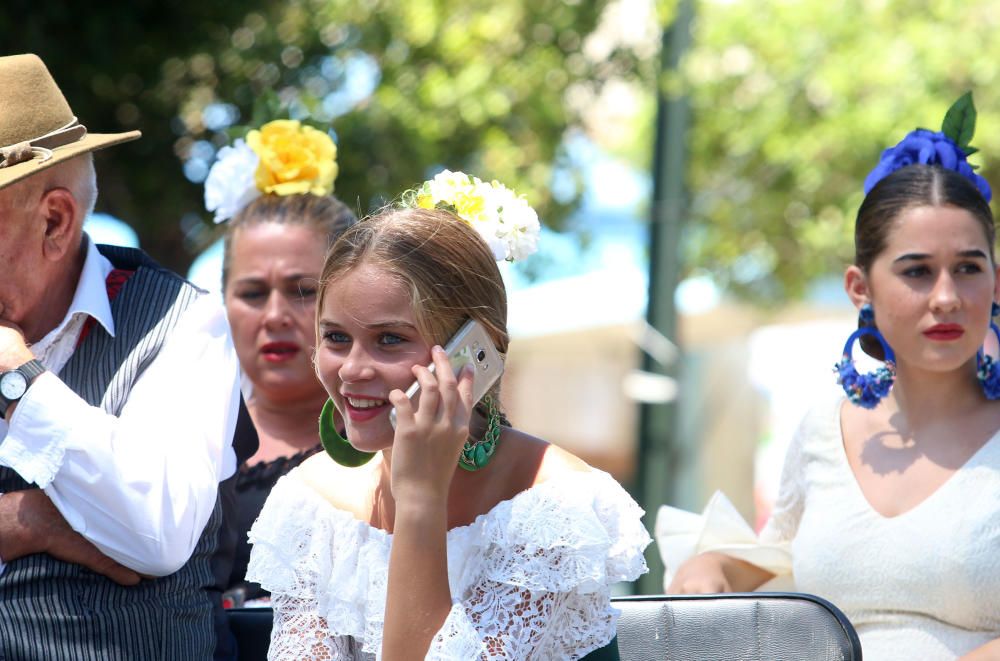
907	188
325	214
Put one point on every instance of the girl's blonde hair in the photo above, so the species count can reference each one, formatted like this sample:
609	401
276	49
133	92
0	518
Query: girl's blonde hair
449	270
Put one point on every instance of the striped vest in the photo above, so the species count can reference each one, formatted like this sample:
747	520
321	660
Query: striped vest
56	611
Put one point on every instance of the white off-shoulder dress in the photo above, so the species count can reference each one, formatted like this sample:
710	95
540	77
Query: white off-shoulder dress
923	585
530	579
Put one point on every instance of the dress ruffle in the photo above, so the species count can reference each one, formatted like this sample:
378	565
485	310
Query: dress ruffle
578	532
580	537
720	528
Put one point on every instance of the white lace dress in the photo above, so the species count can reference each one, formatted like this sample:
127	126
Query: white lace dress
530	579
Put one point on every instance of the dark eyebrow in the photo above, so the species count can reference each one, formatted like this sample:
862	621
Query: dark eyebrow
918	256
975	253
291	278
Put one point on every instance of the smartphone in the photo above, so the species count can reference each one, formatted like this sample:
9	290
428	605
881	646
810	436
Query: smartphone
471	344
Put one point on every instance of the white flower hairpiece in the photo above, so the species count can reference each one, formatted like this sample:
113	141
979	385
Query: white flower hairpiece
282	158
230	183
503	218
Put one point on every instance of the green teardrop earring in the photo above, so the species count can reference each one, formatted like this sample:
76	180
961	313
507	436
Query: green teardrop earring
336	445
476	454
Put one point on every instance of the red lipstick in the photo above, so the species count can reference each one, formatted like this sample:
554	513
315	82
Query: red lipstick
944	332
279	352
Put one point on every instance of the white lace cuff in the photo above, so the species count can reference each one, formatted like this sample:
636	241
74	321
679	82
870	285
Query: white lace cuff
681	534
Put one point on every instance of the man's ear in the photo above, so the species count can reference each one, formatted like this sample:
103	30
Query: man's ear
59	209
856	286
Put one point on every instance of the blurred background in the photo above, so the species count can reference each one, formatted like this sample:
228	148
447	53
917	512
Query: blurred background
697	165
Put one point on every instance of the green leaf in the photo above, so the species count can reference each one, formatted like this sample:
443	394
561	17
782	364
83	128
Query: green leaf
960	121
969	151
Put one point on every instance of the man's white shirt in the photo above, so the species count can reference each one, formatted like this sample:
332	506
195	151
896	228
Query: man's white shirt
141	486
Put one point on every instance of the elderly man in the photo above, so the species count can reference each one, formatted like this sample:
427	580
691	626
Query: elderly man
119	395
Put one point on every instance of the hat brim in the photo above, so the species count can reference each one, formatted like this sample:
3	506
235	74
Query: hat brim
89	143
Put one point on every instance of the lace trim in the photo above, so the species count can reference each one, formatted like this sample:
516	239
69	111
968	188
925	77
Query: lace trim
531	574
266	473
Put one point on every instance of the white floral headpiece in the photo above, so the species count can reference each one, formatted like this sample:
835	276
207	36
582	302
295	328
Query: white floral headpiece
503	218
282	158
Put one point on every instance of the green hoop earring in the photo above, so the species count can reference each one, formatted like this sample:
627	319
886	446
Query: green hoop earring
476	454
336	445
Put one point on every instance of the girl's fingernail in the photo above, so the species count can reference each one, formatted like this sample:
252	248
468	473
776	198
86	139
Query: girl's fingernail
437	349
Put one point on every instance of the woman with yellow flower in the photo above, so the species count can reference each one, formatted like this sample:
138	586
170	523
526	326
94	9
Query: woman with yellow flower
447	534
275	189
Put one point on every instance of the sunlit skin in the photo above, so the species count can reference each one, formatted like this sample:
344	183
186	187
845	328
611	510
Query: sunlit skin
370	351
931	289
369	344
38	283
270	301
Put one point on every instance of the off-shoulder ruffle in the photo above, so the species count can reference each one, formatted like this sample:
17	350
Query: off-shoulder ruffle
575	532
579	531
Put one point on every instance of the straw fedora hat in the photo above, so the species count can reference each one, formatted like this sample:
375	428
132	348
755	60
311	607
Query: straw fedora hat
37	127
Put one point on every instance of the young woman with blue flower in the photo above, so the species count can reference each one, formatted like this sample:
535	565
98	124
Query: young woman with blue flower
888	501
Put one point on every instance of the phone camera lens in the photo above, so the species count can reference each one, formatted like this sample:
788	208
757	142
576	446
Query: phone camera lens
481	355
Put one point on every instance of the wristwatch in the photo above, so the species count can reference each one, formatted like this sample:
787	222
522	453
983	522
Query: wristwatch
14	383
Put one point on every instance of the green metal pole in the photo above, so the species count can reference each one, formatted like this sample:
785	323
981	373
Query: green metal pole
661	458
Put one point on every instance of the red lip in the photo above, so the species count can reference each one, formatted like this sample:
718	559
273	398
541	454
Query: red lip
279	352
944	332
364	414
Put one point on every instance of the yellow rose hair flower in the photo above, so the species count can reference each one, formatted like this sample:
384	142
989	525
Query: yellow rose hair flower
502	218
283	157
293	158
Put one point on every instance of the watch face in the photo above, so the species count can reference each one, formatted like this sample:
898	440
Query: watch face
13	385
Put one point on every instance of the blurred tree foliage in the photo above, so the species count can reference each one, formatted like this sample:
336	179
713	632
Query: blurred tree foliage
792	103
107	58
406	86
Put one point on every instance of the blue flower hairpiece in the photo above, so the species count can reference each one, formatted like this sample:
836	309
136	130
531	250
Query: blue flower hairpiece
948	148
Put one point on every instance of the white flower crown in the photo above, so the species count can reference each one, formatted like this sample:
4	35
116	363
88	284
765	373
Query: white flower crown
503	218
283	157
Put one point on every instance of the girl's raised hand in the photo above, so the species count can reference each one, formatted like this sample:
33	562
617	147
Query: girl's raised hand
429	435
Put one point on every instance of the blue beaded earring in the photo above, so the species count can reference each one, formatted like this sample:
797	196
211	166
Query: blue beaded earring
866	390
987	368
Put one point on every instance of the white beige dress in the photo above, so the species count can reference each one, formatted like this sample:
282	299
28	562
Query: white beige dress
530	579
924	585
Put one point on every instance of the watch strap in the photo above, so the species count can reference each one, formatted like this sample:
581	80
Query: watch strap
31	371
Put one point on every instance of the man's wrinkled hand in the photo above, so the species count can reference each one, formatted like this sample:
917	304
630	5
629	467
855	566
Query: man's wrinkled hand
30	523
14	350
